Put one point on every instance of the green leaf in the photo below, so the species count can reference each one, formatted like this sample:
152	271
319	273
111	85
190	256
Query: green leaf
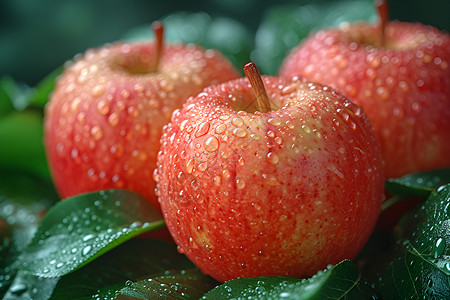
418	184
184	284
42	91
23	201
81	228
134	260
342	281
421	269
229	36
13	95
21	143
283	27
103	278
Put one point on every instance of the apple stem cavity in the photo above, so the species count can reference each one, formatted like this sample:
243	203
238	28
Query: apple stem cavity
252	73
158	31
383	13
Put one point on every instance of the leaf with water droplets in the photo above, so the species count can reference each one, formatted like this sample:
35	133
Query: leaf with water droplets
421	265
184	284
104	277
81	228
23	201
342	281
418	184
134	260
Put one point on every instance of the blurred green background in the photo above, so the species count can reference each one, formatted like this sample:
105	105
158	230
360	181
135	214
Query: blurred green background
37	36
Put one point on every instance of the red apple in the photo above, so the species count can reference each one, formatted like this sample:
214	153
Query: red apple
104	119
284	187
399	74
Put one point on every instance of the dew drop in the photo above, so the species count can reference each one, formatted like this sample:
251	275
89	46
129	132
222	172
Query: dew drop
237	121
240	183
202	166
113	119
102	108
96	132
211	144
203	129
220	128
439	247
239	132
383	93
306	128
272	158
190	165
226	174
86	250
98	91
274	121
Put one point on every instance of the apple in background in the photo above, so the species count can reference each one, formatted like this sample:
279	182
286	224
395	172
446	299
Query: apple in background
399	74
104	119
283	184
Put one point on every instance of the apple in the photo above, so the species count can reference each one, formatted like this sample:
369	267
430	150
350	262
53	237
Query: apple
398	73
269	176
104	119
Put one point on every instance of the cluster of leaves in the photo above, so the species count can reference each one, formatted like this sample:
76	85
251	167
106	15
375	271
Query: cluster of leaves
90	246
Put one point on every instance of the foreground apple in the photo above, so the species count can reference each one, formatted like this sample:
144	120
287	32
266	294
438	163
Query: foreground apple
104	119
399	74
283	184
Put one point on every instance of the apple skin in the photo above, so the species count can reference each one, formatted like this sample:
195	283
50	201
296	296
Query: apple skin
286	192
403	87
104	119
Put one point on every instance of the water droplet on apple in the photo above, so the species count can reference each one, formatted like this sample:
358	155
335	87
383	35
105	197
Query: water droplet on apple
125	94
117	150
272	158
202	166
373	61
220	128
306	128
190	165
203	129
113	119
237	121
239	132
98	91
133	111
81	118
96	132
102	108
274	121
240	183
226	174
383	93
211	144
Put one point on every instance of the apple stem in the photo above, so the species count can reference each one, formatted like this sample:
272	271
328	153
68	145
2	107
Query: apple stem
252	73
383	13
158	31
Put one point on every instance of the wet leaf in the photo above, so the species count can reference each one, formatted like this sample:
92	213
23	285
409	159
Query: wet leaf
342	281
418	184
21	143
184	284
81	228
421	267
134	260
24	200
284	26
229	36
